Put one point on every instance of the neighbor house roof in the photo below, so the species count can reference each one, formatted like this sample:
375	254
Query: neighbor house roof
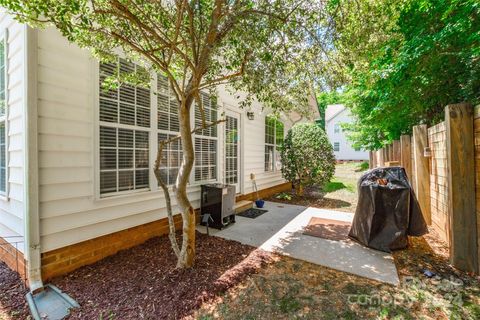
333	110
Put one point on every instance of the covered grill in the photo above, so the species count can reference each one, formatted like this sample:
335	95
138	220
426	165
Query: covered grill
387	211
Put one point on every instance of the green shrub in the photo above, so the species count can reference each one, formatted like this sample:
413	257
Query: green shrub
307	156
363	166
284	196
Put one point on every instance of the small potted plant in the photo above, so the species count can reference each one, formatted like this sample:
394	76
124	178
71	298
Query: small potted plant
258	202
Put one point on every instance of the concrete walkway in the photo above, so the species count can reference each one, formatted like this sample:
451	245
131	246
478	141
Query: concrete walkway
281	230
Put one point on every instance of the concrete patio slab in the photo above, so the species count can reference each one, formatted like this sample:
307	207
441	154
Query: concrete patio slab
281	230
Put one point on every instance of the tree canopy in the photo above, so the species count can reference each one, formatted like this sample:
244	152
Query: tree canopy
265	48
404	61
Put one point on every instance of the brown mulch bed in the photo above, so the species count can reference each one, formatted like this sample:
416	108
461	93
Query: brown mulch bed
143	283
12	295
312	197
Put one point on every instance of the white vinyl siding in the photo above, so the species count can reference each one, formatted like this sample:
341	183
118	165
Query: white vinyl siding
206	142
71	207
124	132
274	132
3	114
12	147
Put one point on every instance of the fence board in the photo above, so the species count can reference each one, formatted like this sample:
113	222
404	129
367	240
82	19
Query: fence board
421	173
461	187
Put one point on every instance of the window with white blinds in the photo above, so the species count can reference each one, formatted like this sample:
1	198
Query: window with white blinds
168	127
125	128
3	116
274	132
336	146
206	141
124	131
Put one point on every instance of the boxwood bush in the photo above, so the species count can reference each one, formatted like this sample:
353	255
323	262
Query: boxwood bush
307	156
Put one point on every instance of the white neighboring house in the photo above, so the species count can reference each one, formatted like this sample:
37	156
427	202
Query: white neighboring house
335	116
76	178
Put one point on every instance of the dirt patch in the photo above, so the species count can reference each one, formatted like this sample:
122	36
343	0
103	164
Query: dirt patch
328	229
340	194
12	295
293	289
316	197
142	282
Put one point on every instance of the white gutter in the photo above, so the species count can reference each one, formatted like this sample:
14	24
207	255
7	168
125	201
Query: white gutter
30	152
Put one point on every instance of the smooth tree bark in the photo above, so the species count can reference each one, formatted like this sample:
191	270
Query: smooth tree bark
187	254
271	49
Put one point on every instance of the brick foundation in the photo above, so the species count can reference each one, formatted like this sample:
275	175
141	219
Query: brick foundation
64	260
13	258
265	193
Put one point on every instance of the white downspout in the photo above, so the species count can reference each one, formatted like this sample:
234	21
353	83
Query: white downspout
30	151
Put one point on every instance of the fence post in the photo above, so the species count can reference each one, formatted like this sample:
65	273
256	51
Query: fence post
461	186
371	161
405	155
381	157
422	171
396	150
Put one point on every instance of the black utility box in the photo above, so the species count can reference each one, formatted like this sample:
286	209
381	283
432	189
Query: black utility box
218	200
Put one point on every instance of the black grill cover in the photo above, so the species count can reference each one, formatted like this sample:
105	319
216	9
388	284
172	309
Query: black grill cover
386	214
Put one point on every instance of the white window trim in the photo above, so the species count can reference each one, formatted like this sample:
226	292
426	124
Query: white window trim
274	145
162	131
192	181
5	196
227	110
153	142
336	143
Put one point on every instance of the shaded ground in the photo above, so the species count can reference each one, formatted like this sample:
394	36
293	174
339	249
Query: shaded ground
293	289
12	295
142	282
341	193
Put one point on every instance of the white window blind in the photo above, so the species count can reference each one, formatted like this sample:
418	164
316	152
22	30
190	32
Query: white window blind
124	131
336	146
3	116
206	141
168	127
274	132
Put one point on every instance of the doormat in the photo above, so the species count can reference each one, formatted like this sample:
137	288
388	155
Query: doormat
252	213
328	229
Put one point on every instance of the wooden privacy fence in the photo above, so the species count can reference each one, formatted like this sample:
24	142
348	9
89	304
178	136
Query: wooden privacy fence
443	165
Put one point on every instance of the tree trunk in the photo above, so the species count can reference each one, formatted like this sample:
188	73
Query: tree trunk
299	189
187	253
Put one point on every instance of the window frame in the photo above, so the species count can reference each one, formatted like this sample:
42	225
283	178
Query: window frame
336	128
4	195
153	140
99	123
335	145
275	144
217	153
168	132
